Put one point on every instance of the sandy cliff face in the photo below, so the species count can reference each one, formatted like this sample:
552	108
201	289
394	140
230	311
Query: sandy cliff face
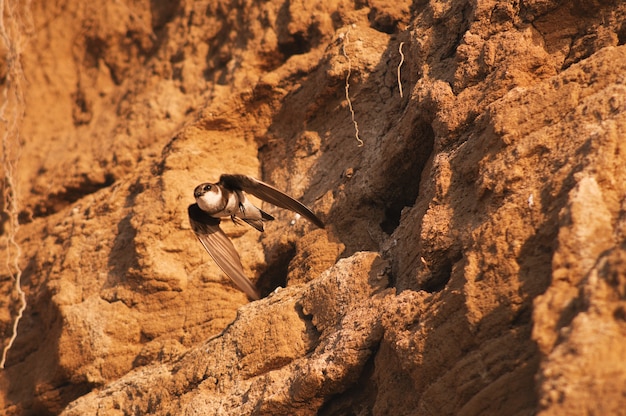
468	159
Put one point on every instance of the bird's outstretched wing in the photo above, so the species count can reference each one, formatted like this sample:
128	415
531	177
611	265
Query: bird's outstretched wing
221	249
270	194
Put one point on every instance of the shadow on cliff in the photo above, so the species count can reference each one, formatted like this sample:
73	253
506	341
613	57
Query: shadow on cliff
372	184
36	383
313	131
369	186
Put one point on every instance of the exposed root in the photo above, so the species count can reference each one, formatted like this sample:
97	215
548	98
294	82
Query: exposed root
13	101
356	125
400	66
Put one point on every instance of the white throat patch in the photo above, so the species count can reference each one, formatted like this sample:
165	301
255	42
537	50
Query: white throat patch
211	201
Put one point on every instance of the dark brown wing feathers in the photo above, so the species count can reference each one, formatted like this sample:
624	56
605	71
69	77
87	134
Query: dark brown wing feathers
221	249
270	194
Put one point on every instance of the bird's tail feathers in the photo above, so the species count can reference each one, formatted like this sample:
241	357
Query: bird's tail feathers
265	216
258	224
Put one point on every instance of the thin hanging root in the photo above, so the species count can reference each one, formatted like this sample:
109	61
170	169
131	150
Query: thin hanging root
356	125
12	92
400	66
14	265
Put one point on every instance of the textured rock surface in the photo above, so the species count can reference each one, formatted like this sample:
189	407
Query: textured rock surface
474	259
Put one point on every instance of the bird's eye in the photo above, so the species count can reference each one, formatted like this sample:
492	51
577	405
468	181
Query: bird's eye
206	188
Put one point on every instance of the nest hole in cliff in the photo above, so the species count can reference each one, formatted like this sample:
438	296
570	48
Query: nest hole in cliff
621	34
295	39
53	203
438	270
403	171
297	44
357	398
275	274
386	20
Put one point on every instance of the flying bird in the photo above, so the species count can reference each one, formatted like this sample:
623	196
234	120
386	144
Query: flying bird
227	198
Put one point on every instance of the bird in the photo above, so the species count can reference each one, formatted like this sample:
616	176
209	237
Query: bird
227	198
